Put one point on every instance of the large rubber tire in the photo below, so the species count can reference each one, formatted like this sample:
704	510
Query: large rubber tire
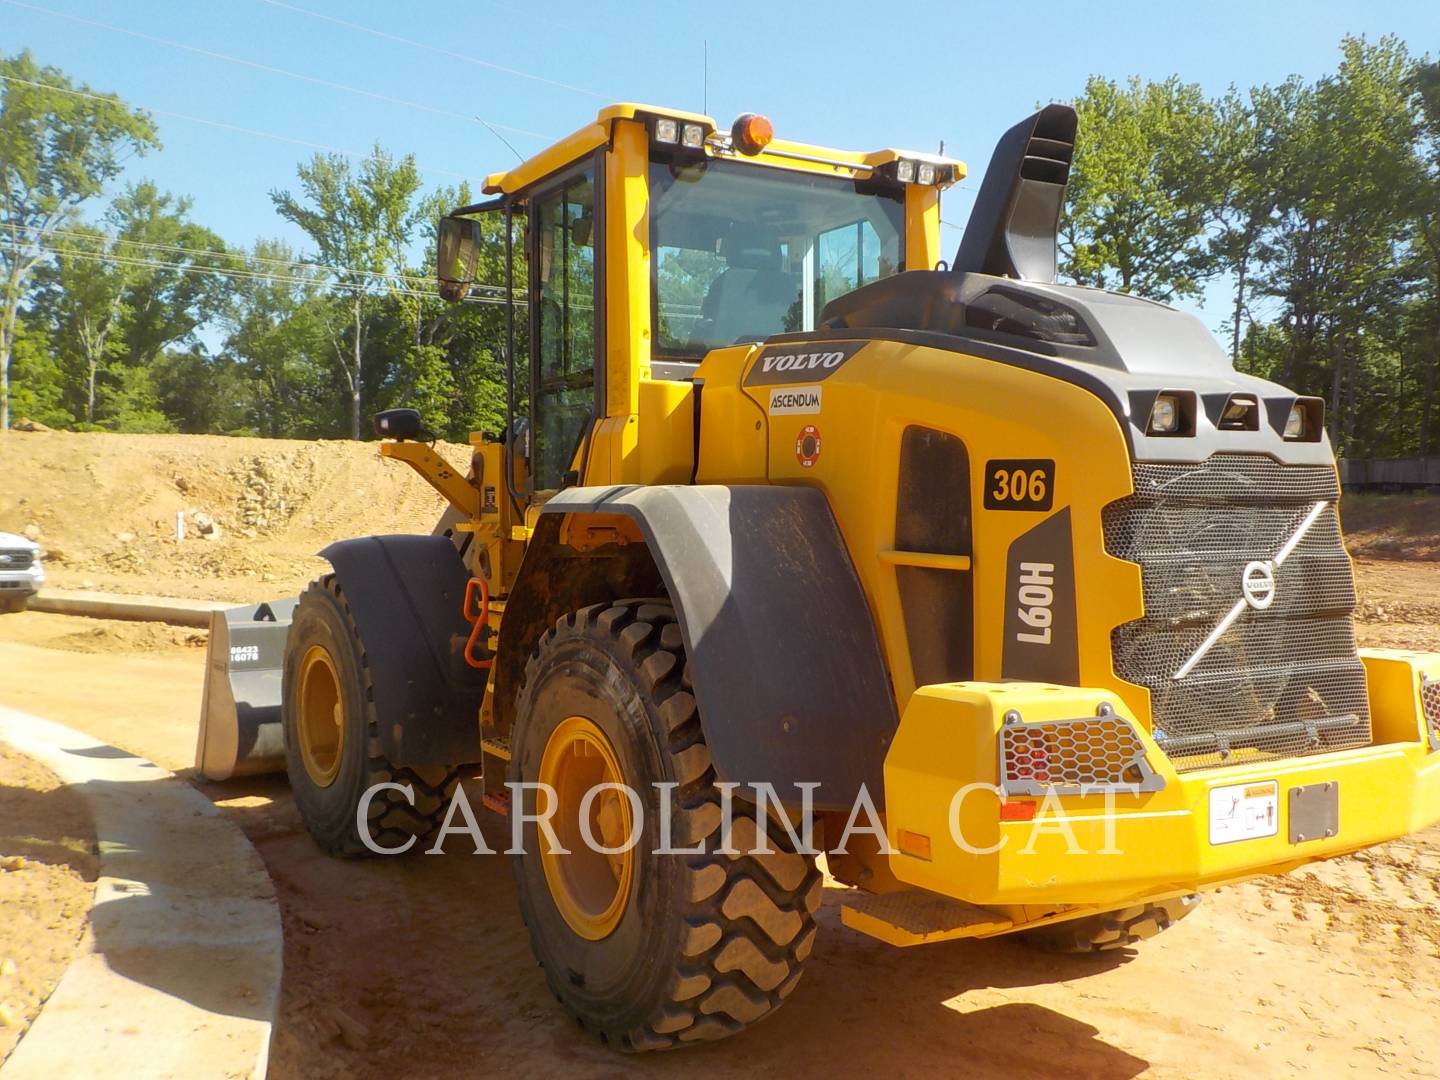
13	605
322	618
707	943
1111	930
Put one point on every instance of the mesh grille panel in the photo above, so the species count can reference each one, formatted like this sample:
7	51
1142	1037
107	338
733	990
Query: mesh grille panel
1430	704
1283	680
1070	755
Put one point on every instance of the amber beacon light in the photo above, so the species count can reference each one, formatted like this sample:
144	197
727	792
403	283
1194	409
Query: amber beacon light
751	133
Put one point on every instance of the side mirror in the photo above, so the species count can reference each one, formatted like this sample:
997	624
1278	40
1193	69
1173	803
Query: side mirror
457	247
399	424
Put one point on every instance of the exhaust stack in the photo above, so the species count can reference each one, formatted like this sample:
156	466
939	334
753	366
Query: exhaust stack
1012	229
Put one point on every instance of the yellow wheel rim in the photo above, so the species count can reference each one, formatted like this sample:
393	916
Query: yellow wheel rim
590	888
321	730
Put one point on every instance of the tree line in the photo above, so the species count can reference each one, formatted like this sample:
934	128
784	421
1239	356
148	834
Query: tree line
1316	205
1313	206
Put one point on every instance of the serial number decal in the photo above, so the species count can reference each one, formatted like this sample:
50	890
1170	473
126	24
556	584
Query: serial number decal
1036	597
1019	484
244	654
795	400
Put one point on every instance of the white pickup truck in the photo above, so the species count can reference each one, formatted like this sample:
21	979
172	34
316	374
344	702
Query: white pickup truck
21	574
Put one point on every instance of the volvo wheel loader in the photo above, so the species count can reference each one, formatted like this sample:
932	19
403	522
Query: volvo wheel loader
795	521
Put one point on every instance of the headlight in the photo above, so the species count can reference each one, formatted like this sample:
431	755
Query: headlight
1297	424
925	173
692	136
905	171
667	130
1164	416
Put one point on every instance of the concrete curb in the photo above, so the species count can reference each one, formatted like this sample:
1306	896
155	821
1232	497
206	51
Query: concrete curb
179	970
103	605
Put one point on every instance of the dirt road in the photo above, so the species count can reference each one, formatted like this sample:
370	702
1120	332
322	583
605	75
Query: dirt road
1332	972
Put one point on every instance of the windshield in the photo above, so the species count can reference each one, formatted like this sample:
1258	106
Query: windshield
740	252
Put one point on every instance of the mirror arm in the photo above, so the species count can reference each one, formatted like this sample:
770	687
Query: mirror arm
481	207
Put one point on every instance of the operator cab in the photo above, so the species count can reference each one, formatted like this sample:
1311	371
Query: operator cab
633	248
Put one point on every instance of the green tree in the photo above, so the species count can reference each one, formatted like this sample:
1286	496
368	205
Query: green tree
1426	316
361	223
59	146
280	346
1344	178
117	298
1143	189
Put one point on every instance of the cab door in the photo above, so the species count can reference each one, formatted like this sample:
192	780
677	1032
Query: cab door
565	328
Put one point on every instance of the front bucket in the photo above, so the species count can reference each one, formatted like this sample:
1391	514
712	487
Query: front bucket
240	733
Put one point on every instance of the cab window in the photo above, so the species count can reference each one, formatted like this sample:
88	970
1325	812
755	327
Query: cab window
742	251
563	324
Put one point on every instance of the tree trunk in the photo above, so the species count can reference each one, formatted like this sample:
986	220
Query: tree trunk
1425	407
4	381
1239	309
8	320
1337	352
355	381
91	366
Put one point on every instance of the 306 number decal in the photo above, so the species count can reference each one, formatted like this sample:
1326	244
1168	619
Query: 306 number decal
1019	484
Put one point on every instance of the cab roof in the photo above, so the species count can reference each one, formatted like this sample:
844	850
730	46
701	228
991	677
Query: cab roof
597	134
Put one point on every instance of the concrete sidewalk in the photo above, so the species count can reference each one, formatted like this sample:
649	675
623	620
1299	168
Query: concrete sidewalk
178	974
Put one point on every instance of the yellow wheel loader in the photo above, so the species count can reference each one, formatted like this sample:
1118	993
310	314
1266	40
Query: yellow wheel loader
1014	599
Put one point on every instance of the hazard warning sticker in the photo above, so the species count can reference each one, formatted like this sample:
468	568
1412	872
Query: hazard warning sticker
807	446
1244	812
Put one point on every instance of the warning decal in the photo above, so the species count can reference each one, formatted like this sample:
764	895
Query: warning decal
807	446
1244	811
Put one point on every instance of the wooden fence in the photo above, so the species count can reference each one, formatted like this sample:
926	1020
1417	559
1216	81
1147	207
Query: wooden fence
1397	474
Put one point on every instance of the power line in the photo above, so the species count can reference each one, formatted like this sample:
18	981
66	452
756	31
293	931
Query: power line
355	154
245	275
243	256
268	68
433	48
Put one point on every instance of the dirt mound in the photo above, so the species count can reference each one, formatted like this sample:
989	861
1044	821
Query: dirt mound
255	510
47	871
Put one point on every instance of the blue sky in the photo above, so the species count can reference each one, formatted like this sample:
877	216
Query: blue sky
844	73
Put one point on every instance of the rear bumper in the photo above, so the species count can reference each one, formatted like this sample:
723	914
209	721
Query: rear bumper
1079	850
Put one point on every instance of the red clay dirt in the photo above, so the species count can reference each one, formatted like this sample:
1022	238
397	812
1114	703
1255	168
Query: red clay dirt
419	967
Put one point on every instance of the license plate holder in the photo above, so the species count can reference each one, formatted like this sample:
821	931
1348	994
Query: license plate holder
1314	812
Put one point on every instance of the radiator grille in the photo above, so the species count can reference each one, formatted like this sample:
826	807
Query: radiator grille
11	559
1280	682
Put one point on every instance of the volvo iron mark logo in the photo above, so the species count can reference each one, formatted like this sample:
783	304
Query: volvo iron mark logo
1257	582
1257	588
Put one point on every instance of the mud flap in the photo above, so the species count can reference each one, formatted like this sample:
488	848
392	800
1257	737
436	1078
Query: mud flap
405	595
240	709
785	661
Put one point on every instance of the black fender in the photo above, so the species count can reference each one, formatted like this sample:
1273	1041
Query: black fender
784	657
405	594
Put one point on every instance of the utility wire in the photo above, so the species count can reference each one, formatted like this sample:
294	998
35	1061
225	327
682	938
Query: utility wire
246	275
104	239
433	48
355	154
268	68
